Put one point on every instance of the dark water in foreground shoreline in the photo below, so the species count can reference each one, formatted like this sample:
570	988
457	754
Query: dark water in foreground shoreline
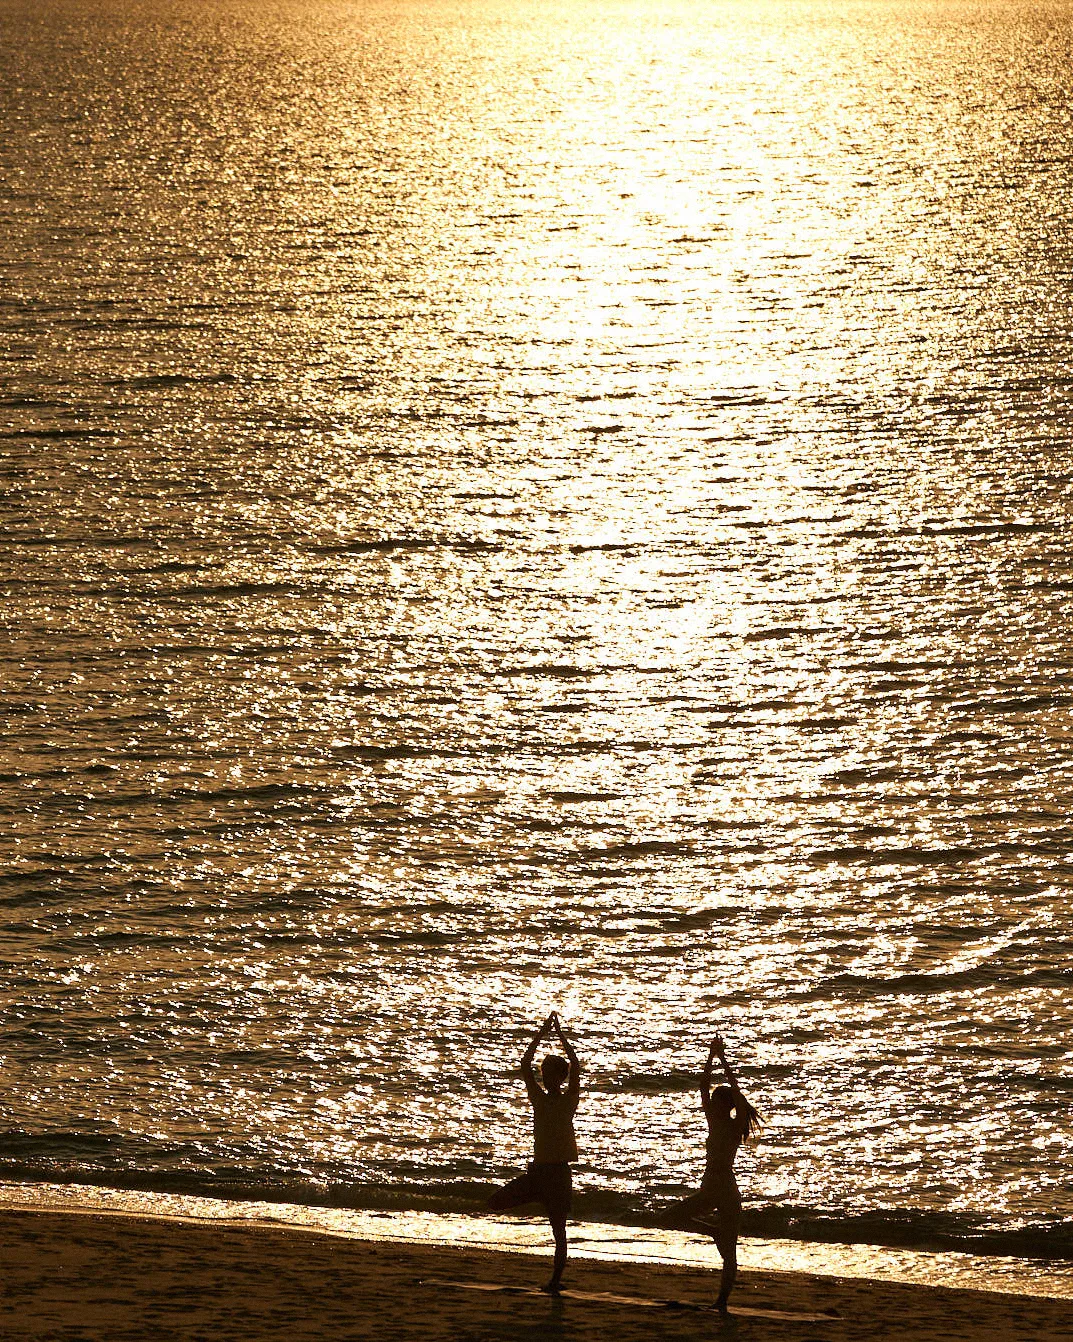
513	506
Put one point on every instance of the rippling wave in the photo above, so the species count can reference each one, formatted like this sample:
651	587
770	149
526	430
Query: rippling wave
512	507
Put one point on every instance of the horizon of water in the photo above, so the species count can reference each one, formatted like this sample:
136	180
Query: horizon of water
511	507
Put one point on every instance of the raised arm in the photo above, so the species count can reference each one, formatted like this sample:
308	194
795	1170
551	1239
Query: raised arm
706	1075
531	1083
745	1116
573	1084
719	1051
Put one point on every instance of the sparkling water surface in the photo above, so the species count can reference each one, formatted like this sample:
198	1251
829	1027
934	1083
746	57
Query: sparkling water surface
511	506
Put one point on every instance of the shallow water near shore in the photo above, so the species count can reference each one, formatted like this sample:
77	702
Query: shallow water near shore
512	506
587	1240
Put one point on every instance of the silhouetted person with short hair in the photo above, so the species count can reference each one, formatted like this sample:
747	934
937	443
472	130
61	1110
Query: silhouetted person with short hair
547	1179
731	1121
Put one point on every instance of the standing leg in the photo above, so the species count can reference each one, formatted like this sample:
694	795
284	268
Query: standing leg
727	1222
558	1229
728	1247
557	1201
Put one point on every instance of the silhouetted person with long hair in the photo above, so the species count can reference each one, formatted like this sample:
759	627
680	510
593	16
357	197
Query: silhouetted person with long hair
547	1180
731	1121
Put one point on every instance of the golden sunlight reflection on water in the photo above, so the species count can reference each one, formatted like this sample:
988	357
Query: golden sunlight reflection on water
540	506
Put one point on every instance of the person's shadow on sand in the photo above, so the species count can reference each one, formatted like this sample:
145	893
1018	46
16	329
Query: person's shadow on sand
550	1323
560	1323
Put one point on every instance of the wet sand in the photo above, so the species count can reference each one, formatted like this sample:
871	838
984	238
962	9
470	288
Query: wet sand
128	1279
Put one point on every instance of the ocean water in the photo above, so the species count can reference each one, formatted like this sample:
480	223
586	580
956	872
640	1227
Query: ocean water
513	506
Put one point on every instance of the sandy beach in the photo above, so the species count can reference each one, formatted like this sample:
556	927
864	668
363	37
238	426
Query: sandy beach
128	1279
